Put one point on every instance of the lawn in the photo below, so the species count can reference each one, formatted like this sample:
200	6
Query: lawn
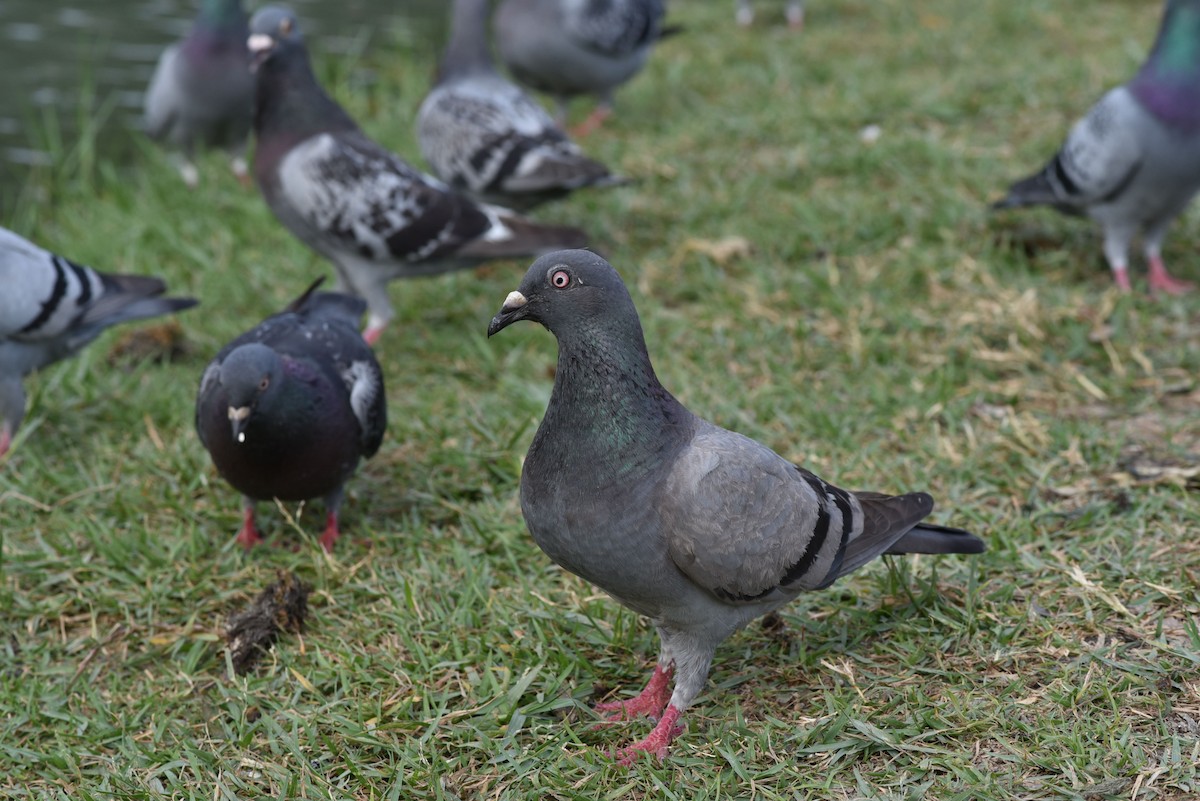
850	303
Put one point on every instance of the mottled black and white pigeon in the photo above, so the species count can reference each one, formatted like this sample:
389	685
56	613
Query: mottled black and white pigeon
289	408
570	47
362	207
202	92
50	307
698	528
794	13
1133	163
484	135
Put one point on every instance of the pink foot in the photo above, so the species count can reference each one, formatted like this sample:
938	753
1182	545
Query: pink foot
657	742
372	334
1121	277
649	702
5	439
1161	280
249	535
331	532
593	121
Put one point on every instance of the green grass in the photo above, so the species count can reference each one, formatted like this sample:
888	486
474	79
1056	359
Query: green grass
881	328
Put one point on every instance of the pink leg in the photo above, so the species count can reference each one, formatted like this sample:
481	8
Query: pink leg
249	535
649	702
1161	280
5	439
657	741
372	334
1121	276
331	532
599	114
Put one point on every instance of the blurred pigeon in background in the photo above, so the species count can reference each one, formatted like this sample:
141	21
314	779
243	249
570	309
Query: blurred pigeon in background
567	48
202	92
1133	162
482	134
362	207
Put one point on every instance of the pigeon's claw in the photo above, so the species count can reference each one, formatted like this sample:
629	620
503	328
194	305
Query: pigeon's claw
657	743
648	702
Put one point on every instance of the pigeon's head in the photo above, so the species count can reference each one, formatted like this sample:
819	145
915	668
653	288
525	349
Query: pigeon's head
272	29
12	410
250	376
565	291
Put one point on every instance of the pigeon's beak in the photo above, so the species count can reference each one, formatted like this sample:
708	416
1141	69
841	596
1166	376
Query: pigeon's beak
260	46
238	417
516	307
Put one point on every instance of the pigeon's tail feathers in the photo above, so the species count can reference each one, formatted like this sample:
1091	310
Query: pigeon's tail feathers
1036	190
671	30
886	518
933	539
514	236
300	302
131	297
892	525
328	305
336	305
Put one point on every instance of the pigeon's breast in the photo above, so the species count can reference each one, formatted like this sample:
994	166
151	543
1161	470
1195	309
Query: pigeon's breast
291	457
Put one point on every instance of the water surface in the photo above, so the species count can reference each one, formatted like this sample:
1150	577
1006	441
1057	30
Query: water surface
89	61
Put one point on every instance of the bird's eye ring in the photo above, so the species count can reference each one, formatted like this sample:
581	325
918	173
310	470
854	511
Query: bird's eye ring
262	385
561	279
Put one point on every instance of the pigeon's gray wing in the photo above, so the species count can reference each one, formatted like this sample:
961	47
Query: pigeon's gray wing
1100	158
352	195
160	106
208	385
490	138
747	525
43	294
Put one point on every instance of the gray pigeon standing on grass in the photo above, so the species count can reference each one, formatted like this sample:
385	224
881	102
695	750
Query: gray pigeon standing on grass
202	92
1133	163
482	134
573	47
288	409
362	207
50	307
698	528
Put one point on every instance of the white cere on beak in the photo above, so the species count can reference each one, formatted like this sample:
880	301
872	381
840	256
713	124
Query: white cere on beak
259	42
515	300
241	436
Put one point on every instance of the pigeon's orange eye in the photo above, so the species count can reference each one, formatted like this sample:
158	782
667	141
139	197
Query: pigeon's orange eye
262	385
560	279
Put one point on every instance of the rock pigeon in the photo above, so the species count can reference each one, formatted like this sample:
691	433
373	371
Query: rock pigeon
482	134
363	208
794	12
50	307
289	408
698	528
1133	163
202	92
571	47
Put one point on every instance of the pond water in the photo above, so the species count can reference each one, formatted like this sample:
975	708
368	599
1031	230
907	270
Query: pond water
63	63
